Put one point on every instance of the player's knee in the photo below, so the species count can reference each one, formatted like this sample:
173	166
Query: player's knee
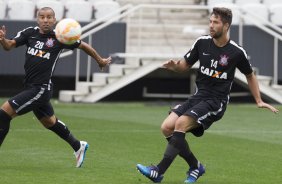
48	122
166	129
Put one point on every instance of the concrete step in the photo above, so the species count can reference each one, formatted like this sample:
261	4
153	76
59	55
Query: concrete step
168	27
277	88
134	62
87	87
171	28
167	36
173	49
116	69
105	78
94	87
165	32
70	95
172	14
121	69
266	80
173	21
128	71
160	42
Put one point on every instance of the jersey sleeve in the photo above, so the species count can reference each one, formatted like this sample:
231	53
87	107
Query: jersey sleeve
192	55
72	46
244	65
22	36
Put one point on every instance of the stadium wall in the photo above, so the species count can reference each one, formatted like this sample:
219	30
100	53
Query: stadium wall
259	46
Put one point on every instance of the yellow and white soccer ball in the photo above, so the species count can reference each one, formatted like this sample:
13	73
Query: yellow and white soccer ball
68	31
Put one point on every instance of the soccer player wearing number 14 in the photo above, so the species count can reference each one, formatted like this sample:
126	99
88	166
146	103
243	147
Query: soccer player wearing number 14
218	58
43	50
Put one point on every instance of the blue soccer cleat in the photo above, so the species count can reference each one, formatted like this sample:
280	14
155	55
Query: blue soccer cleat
80	154
194	174
151	172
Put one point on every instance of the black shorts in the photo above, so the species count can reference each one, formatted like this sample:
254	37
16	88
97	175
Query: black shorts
204	111
34	98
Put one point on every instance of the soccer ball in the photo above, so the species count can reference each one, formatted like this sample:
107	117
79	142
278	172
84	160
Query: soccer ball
68	31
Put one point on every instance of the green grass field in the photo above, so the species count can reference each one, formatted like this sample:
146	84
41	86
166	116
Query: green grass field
245	147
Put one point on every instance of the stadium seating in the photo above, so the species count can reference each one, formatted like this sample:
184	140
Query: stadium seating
21	10
103	8
65	1
57	6
95	1
2	9
258	9
271	2
219	3
243	2
235	11
85	13
276	13
215	2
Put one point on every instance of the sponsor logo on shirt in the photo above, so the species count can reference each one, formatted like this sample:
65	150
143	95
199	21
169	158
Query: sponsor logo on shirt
223	60
50	42
38	53
213	73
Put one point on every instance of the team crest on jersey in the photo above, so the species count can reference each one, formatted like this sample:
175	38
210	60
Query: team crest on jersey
223	60
50	42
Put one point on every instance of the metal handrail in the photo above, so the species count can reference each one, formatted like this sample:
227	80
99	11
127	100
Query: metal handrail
263	20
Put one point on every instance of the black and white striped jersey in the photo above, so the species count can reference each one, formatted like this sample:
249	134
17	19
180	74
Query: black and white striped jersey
216	66
42	54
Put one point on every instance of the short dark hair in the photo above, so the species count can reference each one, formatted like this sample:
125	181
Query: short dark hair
224	13
46	8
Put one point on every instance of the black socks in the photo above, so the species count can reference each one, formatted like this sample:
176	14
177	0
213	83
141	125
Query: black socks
61	130
4	125
187	155
177	145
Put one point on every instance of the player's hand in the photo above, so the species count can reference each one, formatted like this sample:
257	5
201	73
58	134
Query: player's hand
265	105
104	62
2	33
171	64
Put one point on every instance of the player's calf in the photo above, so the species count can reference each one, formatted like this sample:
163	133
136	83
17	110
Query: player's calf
4	125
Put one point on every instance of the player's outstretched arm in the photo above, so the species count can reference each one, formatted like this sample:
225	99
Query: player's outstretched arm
6	44
102	62
254	88
177	66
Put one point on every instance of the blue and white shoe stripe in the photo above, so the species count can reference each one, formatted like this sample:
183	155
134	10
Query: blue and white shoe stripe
151	172
154	174
195	173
